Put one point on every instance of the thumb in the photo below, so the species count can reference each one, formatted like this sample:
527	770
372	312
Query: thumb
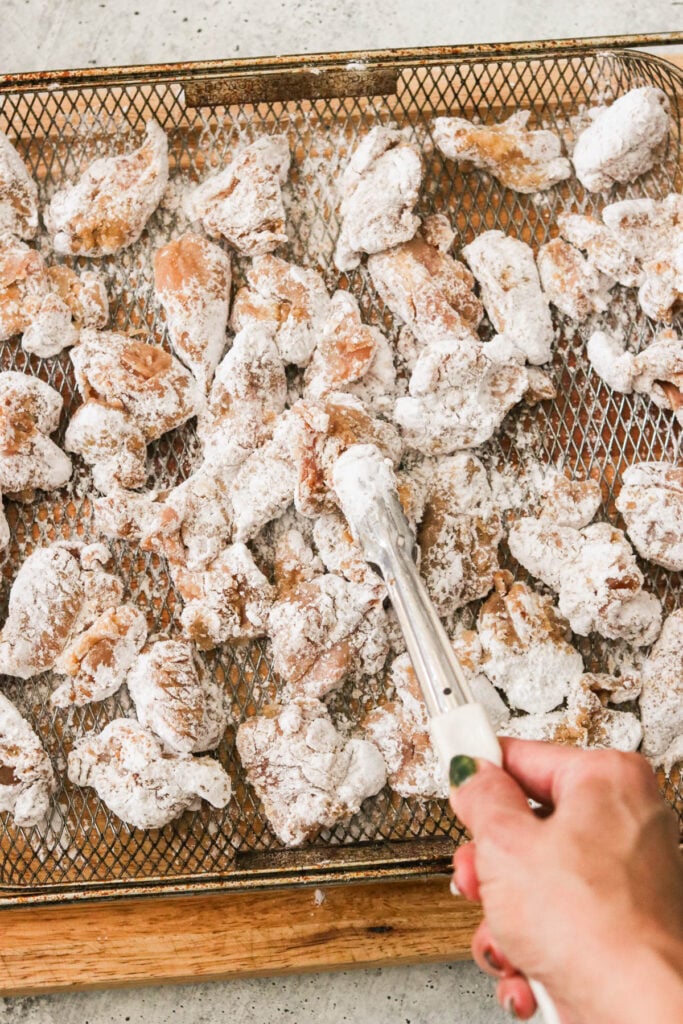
484	797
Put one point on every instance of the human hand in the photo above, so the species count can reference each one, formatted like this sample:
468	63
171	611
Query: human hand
588	897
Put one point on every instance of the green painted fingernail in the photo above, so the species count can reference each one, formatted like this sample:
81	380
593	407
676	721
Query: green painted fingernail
462	768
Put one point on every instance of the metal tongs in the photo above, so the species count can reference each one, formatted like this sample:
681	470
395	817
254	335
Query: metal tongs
366	487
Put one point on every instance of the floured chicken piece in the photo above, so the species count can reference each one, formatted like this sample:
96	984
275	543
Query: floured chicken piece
74	302
429	290
84	294
569	502
570	282
97	660
586	723
524	160
657	371
339	551
596	577
624	139
18	193
141	781
511	292
307	776
651	502
326	429
108	207
243	202
175	697
320	626
671	758
468	650
601	247
400	730
652	232
264	485
458	396
192	279
611	360
379	189
24	284
661	700
228	600
346	350
525	647
58	590
248	394
289	301
459	533
29	412
27	780
133	393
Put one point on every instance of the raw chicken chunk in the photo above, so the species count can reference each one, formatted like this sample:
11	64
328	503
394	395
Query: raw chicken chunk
176	697
192	279
571	283
623	140
108	207
379	189
18	193
243	202
511	292
143	783
651	502
29	412
601	246
24	284
524	160
661	700
27	780
306	775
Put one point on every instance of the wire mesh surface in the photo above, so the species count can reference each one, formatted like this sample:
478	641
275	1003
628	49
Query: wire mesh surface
87	851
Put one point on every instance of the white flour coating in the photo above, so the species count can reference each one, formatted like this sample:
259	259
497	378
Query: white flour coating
361	476
107	208
610	359
569	502
458	397
661	700
524	160
570	282
525	652
511	292
58	590
305	774
84	294
646	228
243	202
289	301
18	193
24	283
651	502
51	329
379	189
27	780
143	783
595	574
468	650
623	141
248	393
339	550
192	283
30	410
671	758
459	533
601	246
400	730
176	697
97	660
658	372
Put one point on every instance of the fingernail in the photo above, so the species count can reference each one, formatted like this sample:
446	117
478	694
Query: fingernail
462	768
454	889
492	960
509	1007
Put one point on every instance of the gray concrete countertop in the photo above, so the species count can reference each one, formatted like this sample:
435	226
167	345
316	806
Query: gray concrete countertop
42	34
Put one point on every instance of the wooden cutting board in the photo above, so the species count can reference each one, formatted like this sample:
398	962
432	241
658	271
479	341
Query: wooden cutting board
206	938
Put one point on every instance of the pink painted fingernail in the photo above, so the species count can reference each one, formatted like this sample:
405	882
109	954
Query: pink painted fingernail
454	889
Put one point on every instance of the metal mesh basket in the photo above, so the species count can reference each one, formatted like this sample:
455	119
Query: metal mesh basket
324	105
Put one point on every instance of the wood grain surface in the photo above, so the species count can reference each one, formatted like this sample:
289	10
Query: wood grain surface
203	938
